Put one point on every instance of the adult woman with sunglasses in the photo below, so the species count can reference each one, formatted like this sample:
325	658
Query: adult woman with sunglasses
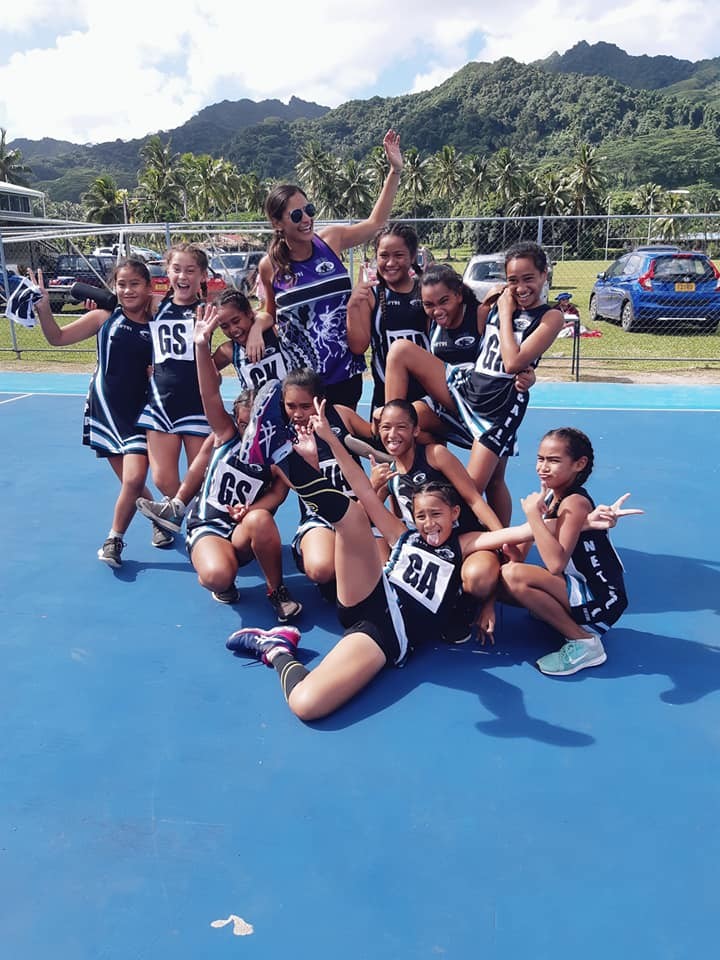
307	286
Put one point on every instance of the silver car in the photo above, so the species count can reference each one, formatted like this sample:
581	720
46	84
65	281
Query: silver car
486	270
238	270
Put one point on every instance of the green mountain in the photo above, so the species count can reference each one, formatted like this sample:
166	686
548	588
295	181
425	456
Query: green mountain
699	81
655	118
65	170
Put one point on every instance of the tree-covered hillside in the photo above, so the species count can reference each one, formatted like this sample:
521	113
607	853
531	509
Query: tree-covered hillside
539	112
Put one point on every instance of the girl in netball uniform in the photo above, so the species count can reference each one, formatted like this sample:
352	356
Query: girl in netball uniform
482	399
580	590
384	610
416	464
307	285
235	318
231	520
173	415
118	389
314	541
391	309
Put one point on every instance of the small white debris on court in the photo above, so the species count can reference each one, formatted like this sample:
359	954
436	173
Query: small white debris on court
241	928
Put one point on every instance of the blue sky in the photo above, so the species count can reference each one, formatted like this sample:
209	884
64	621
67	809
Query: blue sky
100	72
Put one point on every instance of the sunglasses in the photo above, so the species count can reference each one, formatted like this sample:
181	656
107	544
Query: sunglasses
297	214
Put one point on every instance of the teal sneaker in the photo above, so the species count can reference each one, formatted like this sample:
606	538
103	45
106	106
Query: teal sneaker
573	656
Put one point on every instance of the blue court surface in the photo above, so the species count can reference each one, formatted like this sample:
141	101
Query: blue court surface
464	807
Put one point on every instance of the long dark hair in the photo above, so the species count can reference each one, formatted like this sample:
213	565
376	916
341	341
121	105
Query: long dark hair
578	445
408	236
442	273
306	379
278	250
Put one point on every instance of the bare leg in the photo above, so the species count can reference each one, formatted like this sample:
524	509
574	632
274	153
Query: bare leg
192	481
164	453
317	549
406	359
257	535
498	495
544	594
131	471
193	445
481	467
348	668
216	563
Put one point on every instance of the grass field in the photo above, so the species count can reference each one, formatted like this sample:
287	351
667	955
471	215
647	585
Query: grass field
614	350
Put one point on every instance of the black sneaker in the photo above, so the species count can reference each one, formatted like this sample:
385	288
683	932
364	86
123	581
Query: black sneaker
164	513
283	604
268	438
110	552
230	595
161	538
256	643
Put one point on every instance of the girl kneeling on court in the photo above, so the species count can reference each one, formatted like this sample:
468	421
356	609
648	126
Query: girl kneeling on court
231	520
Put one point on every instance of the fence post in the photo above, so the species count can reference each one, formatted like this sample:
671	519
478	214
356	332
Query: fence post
168	243
540	231
6	286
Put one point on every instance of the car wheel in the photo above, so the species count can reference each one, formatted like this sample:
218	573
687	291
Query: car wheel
593	314
627	317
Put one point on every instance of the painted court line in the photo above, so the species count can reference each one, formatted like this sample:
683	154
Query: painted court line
23	396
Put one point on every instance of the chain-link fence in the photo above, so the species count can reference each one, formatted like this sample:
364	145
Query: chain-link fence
643	292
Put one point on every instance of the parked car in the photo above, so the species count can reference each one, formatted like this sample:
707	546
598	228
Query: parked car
70	268
659	287
143	252
161	284
238	269
486	270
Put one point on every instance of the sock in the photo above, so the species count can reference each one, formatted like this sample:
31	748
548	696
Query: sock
290	671
315	491
114	534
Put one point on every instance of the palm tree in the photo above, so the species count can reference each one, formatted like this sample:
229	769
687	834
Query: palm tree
103	201
415	178
667	226
12	168
252	192
160	192
648	197
587	183
448	174
355	188
554	197
315	168
506	174
478	182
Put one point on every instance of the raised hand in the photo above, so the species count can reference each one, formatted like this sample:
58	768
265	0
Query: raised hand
605	516
319	422
391	146
206	321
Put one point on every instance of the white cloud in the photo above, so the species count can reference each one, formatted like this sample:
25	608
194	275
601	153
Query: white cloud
140	67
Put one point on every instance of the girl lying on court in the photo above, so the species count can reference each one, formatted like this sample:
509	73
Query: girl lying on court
384	610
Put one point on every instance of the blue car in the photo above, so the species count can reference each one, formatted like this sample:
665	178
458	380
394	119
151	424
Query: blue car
659	288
